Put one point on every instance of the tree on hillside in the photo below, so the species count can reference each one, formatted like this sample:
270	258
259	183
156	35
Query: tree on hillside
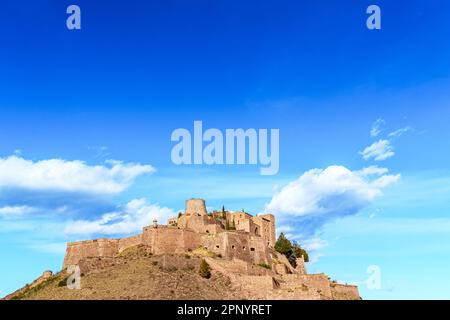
292	251
224	215
204	270
283	245
299	251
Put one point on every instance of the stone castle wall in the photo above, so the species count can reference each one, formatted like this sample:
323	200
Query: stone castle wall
126	243
196	207
98	248
200	224
237	245
344	292
240	220
249	243
90	248
260	225
168	240
318	283
266	228
165	240
44	277
301	267
248	255
161	240
259	284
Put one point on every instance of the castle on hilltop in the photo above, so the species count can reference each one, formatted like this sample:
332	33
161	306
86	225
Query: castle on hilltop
232	235
239	246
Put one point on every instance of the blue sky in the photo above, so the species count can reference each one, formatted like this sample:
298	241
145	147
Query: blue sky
71	101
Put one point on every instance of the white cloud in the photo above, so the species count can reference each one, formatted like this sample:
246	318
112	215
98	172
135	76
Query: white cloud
9	211
13	225
377	127
400	132
396	226
69	176
314	244
323	194
284	228
372	171
53	248
380	150
314	258
129	219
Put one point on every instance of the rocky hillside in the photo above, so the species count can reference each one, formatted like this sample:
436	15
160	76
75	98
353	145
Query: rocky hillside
137	274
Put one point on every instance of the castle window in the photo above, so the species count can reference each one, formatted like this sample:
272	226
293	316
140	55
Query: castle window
243	247
217	246
207	231
252	249
232	247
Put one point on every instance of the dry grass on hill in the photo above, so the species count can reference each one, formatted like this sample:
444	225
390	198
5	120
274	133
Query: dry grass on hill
135	274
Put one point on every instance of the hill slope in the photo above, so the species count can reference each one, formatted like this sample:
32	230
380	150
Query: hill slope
137	274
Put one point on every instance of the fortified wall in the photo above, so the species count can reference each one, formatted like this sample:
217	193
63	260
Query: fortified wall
244	247
249	239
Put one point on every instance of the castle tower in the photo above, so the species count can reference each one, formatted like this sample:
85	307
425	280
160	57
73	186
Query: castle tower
195	207
266	222
301	268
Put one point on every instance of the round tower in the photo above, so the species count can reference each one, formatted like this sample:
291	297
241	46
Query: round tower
196	207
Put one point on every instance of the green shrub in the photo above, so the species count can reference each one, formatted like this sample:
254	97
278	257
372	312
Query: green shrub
62	283
204	270
283	245
292	251
264	265
299	251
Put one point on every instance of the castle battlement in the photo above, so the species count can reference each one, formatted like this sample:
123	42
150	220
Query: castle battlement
232	235
238	245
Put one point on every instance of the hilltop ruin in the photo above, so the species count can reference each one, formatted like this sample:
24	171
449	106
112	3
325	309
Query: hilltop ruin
241	247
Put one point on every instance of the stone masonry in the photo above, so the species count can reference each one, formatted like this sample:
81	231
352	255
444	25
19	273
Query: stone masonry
242	241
